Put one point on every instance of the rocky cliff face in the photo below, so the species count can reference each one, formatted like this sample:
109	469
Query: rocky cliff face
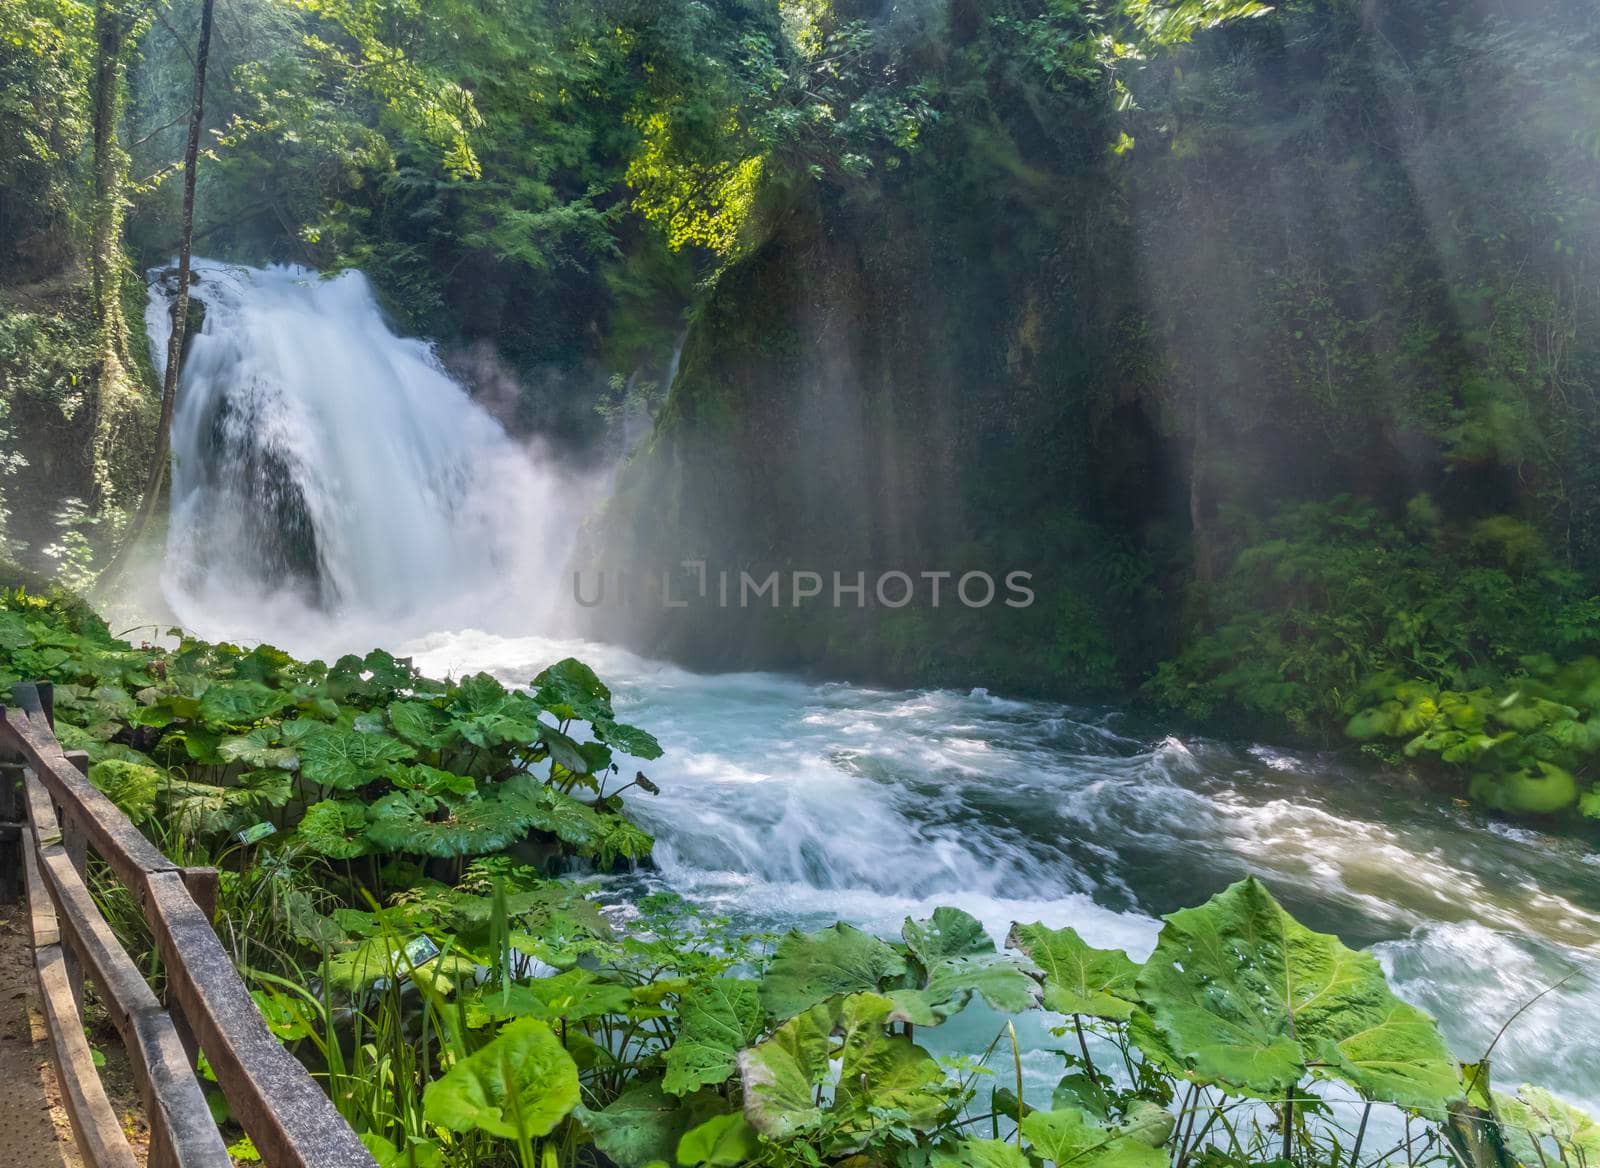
917	386
1352	253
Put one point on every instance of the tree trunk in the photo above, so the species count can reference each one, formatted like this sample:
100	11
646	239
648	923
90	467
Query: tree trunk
169	380
113	387
110	41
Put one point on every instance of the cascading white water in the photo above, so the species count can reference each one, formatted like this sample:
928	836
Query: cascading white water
334	490
324	465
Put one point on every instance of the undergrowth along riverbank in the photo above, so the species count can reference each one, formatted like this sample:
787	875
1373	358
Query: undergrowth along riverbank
388	842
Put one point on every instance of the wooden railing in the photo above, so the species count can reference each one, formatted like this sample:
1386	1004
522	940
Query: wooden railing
55	819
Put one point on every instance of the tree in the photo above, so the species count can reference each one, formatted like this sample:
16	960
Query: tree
169	384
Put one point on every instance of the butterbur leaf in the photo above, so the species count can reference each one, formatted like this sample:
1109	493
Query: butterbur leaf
949	932
808	968
878	1072
257	749
574	996
628	739
1073	1137
478	694
718	1018
132	787
203	809
992	976
723	1141
239	703
1249	996
433	781
883	1072
951	983
421	724
563	749
569	689
780	1075
552	811
639	1127
520	1085
408	821
1078	979
13	631
335	829
1078	1091
346	759
272	787
1542	1129
978	1153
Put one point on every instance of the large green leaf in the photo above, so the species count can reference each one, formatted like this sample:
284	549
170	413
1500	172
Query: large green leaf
347	759
569	689
563	749
574	996
717	1019
521	1084
1541	1129
335	829
979	1153
421	724
13	631
272	787
949	932
957	959
562	816
723	1141
781	1075
1078	979
883	1072
410	821
808	968
239	703
204	809
1071	1136
628	739
433	781
1249	997
258	748
641	1126
878	1072
487	714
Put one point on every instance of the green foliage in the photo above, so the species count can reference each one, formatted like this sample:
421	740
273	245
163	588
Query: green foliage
1078	979
1445	639
1328	597
45	63
253	735
719	1018
517	1086
1259	998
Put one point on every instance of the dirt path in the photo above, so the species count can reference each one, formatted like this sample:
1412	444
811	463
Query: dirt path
33	1127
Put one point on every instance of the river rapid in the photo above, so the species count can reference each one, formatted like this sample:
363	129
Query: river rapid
787	802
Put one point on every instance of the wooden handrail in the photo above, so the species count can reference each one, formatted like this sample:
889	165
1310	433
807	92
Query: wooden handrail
291	1121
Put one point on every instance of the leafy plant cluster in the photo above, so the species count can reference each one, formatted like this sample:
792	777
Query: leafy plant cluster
1468	643
364	759
542	1033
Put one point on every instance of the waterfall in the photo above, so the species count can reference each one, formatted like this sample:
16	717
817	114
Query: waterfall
327	470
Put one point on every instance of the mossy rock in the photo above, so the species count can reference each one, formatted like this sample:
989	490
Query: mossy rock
1542	789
